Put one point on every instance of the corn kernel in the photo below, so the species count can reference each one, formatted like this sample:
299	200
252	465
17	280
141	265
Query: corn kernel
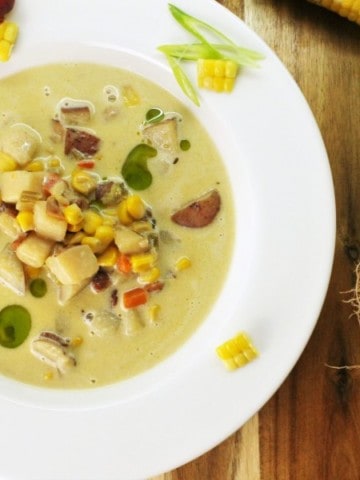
123	215
76	239
135	207
182	263
77	341
130	96
48	376
154	312
217	75
73	214
83	182
25	219
142	261
237	351
109	257
75	228
94	243
150	276
105	233
11	32
35	166
7	162
92	221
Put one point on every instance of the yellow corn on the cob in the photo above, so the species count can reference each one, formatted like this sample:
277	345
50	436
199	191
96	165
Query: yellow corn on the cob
217	75
346	8
8	35
237	352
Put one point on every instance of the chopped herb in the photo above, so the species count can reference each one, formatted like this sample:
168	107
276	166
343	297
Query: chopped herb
135	170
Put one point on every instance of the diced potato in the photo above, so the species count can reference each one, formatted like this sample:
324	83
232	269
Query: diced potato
46	225
34	250
130	242
12	184
9	225
12	271
163	135
21	142
74	265
66	292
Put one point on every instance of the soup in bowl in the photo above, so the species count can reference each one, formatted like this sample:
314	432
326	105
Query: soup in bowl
117	221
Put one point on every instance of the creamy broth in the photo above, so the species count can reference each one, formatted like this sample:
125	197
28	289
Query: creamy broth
30	97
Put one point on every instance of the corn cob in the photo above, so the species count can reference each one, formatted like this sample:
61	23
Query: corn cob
346	8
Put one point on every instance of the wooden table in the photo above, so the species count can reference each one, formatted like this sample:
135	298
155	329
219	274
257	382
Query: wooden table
310	429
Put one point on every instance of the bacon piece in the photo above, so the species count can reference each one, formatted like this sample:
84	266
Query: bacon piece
82	141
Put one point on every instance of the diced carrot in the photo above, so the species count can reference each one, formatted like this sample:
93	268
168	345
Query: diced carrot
86	164
123	263
135	297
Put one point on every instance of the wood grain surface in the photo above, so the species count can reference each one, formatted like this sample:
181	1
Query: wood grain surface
310	429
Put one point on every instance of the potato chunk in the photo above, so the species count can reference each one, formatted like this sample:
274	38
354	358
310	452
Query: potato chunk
9	225
46	225
130	242
74	265
21	142
163	135
12	271
12	184
34	250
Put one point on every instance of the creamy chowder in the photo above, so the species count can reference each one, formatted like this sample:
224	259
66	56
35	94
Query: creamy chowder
93	158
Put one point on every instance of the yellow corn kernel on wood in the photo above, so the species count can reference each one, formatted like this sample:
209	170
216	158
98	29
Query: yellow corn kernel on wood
237	351
346	8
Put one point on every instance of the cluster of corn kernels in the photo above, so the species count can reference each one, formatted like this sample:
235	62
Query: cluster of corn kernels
237	352
217	75
8	35
346	8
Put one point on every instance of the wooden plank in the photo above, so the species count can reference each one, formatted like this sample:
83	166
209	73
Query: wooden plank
310	428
